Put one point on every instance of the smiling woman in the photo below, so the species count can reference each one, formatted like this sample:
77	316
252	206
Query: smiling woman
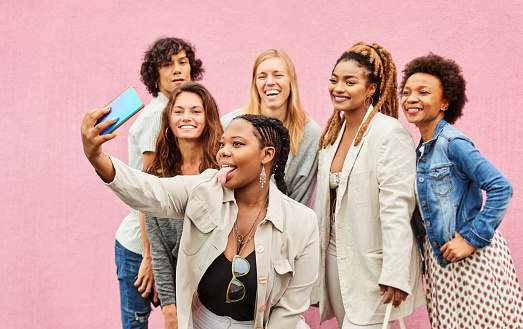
365	196
466	257
248	254
186	145
275	93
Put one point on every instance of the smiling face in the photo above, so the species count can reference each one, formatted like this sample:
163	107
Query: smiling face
422	100
273	84
348	87
174	73
240	156
187	119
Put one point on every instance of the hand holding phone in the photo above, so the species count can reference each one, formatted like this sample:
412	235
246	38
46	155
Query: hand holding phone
123	107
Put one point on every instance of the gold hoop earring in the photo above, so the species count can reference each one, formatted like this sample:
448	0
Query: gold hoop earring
167	135
370	103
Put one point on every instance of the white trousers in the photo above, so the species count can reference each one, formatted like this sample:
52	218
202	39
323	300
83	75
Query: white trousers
205	319
334	292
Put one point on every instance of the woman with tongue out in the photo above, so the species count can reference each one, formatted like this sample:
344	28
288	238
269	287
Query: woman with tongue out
248	254
275	93
471	280
365	196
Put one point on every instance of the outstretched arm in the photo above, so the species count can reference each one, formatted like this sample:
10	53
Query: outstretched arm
92	143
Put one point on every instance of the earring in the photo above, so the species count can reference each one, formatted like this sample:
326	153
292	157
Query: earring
263	177
156	85
167	135
370	102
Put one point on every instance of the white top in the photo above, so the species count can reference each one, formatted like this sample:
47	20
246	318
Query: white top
142	138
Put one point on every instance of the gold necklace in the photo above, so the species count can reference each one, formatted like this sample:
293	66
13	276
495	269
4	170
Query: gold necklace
240	237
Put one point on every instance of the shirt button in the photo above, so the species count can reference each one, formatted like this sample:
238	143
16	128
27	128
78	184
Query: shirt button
436	174
227	322
421	179
445	261
435	244
262	279
260	249
428	224
423	160
423	203
262	308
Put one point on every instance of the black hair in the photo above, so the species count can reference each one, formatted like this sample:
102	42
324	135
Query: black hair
271	132
449	74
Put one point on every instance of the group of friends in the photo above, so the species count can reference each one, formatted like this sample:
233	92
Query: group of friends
222	232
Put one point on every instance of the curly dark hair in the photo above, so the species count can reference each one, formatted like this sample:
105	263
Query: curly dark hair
159	53
271	132
449	74
168	159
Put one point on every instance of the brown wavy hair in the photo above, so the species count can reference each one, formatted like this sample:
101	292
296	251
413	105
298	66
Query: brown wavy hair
167	161
381	71
296	117
159	53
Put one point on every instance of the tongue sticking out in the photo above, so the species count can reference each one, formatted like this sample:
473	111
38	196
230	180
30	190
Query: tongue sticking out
223	174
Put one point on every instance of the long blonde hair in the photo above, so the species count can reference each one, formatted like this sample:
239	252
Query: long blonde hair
296	116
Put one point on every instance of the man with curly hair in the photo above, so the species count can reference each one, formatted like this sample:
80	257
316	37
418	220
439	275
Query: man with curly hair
167	63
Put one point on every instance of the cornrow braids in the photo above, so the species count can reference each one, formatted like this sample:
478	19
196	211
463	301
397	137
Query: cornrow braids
272	132
382	71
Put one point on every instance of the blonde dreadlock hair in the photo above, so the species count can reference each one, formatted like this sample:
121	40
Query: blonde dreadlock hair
382	71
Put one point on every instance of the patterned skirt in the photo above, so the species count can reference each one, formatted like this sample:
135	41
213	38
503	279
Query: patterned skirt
481	291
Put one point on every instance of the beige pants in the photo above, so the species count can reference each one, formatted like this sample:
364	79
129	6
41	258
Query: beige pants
334	292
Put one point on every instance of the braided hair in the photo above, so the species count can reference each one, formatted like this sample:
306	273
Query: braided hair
272	132
382	71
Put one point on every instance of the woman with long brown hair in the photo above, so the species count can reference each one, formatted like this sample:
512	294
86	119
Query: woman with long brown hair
187	144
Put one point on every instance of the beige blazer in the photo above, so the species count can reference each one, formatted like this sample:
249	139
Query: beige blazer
286	242
374	205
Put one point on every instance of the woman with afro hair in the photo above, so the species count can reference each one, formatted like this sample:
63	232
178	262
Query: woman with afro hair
470	278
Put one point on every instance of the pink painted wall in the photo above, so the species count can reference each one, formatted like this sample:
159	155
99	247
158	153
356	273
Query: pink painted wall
62	58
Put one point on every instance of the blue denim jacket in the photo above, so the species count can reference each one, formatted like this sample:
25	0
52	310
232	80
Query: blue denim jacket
450	176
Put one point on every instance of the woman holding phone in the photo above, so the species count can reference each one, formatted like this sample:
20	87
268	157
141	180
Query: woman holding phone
248	253
168	63
275	93
190	132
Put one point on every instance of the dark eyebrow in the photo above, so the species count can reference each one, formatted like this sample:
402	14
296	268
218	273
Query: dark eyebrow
345	76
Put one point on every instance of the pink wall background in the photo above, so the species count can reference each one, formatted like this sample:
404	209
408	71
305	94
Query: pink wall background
62	58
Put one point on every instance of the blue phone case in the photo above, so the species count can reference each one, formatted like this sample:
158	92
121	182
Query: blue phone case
123	107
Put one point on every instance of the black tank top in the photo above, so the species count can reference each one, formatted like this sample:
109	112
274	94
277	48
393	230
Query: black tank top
213	288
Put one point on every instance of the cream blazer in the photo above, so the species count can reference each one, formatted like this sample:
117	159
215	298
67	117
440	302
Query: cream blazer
374	205
286	241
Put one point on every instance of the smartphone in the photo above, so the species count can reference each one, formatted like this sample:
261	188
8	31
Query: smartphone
123	107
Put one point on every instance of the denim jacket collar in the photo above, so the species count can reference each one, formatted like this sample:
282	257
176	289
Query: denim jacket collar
427	146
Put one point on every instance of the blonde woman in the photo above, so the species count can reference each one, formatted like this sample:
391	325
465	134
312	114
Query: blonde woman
274	93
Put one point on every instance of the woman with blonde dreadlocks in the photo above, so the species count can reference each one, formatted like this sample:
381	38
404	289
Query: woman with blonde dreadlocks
365	196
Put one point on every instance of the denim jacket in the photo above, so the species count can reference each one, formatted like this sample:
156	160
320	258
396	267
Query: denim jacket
450	176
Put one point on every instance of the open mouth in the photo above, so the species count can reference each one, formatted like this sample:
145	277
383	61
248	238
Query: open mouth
187	127
413	110
224	174
272	93
339	98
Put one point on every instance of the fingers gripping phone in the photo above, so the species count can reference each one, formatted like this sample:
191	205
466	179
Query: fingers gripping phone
123	107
